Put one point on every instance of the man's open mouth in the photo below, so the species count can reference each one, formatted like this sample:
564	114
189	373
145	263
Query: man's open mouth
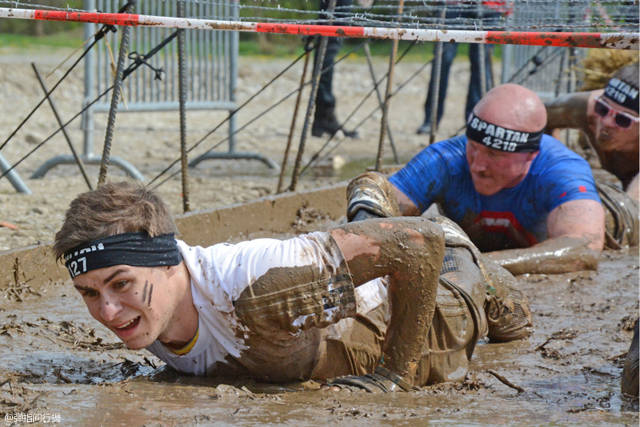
129	325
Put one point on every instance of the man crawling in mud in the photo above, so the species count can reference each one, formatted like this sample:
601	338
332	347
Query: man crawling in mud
356	300
521	196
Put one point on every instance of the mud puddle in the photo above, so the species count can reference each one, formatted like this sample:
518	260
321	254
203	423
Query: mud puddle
56	361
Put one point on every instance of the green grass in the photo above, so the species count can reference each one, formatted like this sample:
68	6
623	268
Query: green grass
286	46
67	39
280	46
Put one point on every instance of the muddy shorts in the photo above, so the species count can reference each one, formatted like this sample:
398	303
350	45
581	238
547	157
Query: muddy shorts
283	312
458	321
621	216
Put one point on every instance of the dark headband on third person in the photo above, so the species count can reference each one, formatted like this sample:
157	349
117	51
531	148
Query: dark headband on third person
134	249
622	93
501	138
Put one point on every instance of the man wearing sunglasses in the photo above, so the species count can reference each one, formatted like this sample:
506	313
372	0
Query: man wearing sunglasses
609	119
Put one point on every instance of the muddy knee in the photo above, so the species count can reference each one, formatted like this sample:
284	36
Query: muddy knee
621	216
400	247
507	309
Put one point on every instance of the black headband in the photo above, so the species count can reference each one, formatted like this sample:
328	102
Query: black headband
500	138
622	93
135	249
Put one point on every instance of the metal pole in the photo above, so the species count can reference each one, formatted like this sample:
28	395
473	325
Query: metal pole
13	177
293	121
385	107
117	89
436	68
182	93
367	52
312	99
233	74
560	73
64	129
481	52
87	115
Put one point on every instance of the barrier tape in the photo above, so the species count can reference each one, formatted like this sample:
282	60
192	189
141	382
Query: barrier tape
573	39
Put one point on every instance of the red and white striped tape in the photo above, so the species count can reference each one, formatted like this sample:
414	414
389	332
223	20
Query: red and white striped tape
582	39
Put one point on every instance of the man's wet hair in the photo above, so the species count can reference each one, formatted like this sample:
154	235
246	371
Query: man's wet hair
629	74
113	208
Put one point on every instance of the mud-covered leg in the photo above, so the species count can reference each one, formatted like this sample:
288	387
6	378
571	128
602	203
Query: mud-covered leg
410	252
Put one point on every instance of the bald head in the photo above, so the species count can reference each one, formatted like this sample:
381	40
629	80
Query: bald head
513	107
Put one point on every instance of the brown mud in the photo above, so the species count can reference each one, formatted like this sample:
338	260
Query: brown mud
56	359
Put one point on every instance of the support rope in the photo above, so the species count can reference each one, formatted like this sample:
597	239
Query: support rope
134	66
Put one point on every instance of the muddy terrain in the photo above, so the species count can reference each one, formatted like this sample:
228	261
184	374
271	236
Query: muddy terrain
57	364
57	360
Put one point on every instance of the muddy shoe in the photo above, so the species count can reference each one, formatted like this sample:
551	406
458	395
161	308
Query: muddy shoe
424	129
381	381
630	370
508	314
326	122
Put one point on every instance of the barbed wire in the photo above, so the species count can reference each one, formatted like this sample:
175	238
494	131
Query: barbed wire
529	15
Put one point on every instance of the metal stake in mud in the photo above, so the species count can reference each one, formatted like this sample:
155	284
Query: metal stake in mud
367	53
285	157
389	88
436	69
312	99
115	98
182	89
64	130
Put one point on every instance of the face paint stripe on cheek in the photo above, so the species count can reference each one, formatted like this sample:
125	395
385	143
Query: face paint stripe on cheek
144	291
150	292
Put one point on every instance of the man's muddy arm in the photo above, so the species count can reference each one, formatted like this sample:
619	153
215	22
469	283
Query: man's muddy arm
410	252
405	204
576	237
553	256
568	111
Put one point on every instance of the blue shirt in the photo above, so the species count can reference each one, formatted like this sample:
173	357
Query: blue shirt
512	218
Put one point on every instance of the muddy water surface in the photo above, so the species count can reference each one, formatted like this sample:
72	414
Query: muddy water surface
54	359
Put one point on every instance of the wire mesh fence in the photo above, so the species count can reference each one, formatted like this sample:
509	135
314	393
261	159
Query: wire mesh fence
517	15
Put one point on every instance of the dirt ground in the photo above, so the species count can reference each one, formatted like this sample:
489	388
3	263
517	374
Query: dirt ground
57	362
151	141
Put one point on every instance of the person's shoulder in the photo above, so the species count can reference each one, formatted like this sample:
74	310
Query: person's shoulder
458	141
552	149
451	147
446	153
555	160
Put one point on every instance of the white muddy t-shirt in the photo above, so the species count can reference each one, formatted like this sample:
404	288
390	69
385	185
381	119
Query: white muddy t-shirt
221	272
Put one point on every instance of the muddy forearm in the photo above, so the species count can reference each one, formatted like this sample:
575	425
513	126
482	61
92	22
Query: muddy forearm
559	255
409	251
568	111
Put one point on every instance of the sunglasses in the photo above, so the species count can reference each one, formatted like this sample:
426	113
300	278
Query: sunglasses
622	120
